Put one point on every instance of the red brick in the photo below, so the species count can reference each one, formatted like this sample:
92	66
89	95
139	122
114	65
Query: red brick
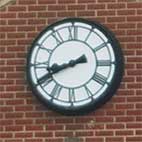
84	133
134	5
74	127
94	139
7	42
26	28
54	127
134	112
6	122
124	106
124	132
6	135
64	120
116	6
134	99
27	2
85	13
14	88
138	132
6	95
36	21
134	18
138	118
106	13
126	25
63	134
134	125
7	15
34	140
134	59
88	1
46	14
54	140
34	128
104	133
104	119
96	6
14	128
24	108
34	114
16	8
115	113
37	8
125	119
117	19
6	109
76	7
134	86
24	122
15	35
115	126
14	115
24	135
104	1
126	12
66	1
114	139
43	134
47	2
134	139
7	29
57	8
16	22
27	15
66	14
44	121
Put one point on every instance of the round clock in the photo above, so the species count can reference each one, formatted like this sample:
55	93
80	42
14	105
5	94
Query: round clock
75	66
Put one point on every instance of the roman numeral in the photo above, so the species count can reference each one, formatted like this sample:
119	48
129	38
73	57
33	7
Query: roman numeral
45	79
44	48
56	91
88	35
73	32
99	78
104	63
89	93
56	35
71	95
100	47
40	65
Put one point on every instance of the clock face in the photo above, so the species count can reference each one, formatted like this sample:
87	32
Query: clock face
75	65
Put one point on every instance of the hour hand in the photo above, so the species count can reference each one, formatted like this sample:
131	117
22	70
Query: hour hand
56	68
44	78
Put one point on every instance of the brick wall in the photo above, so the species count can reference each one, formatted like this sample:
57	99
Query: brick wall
24	119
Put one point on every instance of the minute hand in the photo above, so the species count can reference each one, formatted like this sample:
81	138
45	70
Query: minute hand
56	68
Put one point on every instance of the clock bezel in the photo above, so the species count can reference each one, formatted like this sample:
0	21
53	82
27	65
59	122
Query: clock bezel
113	86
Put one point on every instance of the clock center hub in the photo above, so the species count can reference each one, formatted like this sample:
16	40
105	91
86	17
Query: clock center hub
78	75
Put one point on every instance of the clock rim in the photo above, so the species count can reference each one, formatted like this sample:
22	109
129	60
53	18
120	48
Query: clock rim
111	89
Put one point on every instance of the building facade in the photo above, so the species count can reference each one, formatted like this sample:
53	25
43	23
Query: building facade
23	118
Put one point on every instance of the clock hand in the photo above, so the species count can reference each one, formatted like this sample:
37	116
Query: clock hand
56	68
45	77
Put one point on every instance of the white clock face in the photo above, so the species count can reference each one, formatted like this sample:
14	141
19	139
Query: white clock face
85	61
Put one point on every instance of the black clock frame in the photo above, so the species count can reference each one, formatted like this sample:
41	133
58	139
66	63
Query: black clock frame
113	86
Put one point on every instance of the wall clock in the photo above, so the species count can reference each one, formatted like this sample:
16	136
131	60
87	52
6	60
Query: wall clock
75	65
